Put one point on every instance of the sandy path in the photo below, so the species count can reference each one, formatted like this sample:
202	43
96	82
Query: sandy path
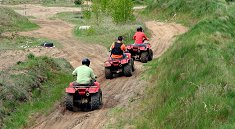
117	91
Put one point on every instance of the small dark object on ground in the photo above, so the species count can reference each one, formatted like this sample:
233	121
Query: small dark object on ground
47	44
19	62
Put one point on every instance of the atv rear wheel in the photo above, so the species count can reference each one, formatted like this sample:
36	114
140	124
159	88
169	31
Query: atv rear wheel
69	102
132	64
144	57
127	70
96	100
108	73
150	54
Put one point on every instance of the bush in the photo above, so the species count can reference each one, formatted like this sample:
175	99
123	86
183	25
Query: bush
86	14
78	2
122	10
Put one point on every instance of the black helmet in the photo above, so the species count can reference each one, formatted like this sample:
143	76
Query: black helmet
120	38
139	29
86	62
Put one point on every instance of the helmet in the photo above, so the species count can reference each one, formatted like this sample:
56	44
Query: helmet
139	29
120	38
86	62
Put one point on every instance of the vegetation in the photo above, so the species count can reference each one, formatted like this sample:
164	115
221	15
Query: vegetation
43	2
22	42
11	21
31	86
184	11
41	81
104	33
78	2
122	11
193	82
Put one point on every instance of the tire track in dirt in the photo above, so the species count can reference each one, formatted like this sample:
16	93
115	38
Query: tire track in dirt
116	92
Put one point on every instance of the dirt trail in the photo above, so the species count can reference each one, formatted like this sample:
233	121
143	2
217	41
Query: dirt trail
117	91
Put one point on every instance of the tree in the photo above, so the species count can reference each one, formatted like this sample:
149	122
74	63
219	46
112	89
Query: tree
96	9
122	10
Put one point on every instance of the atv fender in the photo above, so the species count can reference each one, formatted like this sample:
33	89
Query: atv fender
124	61
142	48
107	64
70	90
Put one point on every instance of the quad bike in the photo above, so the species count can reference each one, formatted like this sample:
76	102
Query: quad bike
119	66
142	52
84	97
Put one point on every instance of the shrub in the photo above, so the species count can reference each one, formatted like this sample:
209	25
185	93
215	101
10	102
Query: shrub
122	10
78	2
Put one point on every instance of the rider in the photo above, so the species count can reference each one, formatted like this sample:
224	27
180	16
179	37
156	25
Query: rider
85	75
139	36
118	48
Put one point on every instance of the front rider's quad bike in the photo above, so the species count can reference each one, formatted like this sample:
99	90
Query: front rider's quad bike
84	97
142	52
119	66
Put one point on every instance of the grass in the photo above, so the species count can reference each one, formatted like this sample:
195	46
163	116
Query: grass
41	81
192	85
59	3
11	21
199	83
103	32
184	11
22	42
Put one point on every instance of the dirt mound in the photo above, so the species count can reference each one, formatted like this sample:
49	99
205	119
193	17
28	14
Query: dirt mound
117	91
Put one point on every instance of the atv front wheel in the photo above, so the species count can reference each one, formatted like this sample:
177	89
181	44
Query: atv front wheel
132	64
150	55
144	57
127	70
108	73
69	102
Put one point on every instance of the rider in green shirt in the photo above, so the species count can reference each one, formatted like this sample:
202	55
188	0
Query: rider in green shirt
85	75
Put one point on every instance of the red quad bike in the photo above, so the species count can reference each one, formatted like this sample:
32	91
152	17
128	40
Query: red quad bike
84	97
119	66
142	52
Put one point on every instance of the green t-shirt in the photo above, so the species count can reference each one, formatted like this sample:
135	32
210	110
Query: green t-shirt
84	74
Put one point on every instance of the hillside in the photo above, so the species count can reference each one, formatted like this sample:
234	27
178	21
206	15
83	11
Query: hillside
25	78
11	21
193	83
27	82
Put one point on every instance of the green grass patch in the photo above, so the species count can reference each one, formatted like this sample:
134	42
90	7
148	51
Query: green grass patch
12	21
103	32
22	42
192	85
195	85
30	87
59	3
184	11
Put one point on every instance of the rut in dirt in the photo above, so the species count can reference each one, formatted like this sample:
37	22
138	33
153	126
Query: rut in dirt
116	92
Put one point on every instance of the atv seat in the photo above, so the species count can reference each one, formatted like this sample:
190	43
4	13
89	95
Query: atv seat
75	84
139	45
83	86
116	59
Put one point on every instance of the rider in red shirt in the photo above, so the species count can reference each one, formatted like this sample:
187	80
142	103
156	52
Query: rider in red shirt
139	36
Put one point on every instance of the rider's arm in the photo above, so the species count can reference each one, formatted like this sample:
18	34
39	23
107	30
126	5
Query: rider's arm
111	47
134	37
74	72
123	47
145	37
93	76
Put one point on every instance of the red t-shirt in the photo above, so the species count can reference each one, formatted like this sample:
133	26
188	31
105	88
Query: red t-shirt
139	37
